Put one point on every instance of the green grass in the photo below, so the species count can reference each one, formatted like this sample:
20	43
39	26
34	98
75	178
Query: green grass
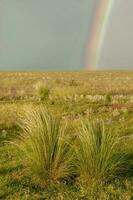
42	91
45	146
100	179
101	153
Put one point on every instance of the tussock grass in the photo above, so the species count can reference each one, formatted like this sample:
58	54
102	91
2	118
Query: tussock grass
97	153
42	91
101	153
46	146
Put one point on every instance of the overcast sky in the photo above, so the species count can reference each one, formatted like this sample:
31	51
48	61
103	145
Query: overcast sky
52	34
117	51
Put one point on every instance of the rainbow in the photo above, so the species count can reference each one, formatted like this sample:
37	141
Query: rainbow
95	42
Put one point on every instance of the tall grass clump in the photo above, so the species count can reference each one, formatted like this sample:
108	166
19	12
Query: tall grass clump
100	152
45	146
42	91
108	98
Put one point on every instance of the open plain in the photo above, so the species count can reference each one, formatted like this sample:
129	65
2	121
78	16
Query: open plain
77	98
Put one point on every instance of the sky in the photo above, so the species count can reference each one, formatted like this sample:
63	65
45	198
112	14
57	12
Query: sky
117	50
55	34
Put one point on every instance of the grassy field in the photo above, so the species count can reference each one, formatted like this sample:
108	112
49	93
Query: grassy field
66	135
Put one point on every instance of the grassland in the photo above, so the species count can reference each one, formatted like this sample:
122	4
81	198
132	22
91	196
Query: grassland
73	97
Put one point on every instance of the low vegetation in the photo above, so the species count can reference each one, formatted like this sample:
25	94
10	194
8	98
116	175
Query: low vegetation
96	153
42	91
66	135
101	153
46	146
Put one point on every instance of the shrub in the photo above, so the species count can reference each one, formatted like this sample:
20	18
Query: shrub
101	153
108	98
73	83
42	91
45	146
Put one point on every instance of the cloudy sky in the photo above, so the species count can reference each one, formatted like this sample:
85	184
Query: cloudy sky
53	34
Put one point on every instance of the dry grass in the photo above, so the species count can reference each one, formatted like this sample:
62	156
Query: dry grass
21	84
